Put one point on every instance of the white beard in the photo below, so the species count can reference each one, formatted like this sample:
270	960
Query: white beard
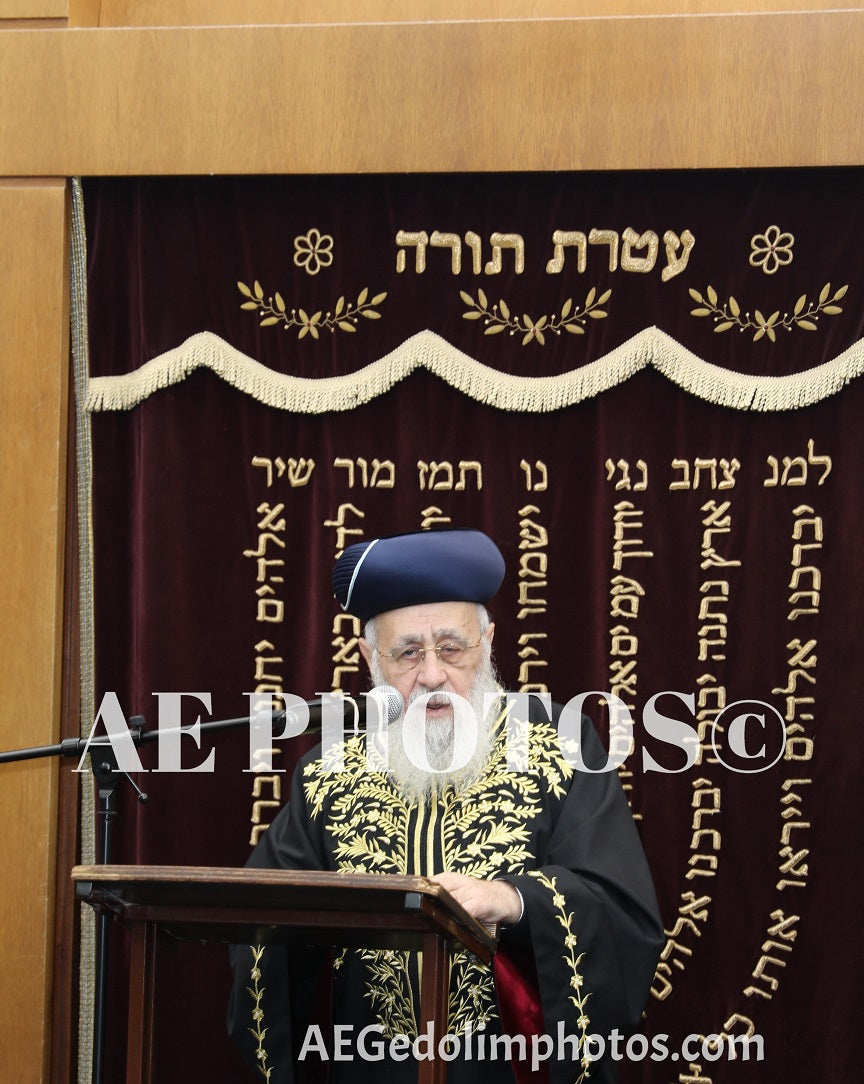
416	782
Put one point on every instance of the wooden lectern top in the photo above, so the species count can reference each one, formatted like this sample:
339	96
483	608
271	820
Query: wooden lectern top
257	906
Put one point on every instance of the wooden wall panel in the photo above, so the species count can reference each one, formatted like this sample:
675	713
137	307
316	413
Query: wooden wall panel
45	14
249	12
34	9
636	93
33	404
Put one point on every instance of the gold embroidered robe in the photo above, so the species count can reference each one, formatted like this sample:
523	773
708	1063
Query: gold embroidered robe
564	837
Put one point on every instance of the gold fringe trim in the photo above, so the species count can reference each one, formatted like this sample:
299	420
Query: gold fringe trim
525	394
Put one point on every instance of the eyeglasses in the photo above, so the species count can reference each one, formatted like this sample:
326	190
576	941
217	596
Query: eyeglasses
450	652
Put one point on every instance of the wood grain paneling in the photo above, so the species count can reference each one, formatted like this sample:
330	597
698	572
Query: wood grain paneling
637	93
250	12
33	401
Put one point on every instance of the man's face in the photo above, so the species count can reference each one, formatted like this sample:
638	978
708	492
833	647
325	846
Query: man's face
405	634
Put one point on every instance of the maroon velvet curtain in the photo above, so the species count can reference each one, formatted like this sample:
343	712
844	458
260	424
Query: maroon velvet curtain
663	531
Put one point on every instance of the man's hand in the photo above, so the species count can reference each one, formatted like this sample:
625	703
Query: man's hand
487	901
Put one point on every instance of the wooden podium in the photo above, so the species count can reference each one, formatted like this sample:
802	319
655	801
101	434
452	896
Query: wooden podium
248	906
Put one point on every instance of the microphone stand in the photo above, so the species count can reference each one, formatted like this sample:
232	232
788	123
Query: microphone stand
106	773
103	765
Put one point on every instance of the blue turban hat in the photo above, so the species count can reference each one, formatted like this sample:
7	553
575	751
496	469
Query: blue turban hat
459	565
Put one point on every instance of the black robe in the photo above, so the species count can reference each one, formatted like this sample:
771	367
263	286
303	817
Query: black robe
588	941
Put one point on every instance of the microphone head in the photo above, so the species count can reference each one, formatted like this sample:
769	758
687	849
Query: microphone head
389	700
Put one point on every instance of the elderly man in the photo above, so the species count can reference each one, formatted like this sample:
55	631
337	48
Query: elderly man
545	847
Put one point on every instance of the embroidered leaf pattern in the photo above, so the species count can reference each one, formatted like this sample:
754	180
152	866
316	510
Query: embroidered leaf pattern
499	318
345	315
578	997
258	1032
472	994
390	992
804	315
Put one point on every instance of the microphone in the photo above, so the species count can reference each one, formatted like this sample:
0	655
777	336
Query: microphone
308	716
390	700
325	715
